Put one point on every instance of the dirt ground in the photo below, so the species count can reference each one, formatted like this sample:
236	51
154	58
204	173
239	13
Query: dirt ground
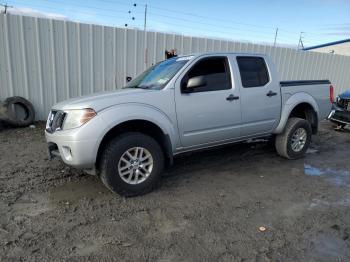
209	206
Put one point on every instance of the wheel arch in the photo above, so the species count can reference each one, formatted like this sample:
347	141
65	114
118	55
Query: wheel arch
306	111
301	105
138	125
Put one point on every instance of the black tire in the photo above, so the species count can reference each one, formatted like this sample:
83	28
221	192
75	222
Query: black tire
8	113
283	142
109	172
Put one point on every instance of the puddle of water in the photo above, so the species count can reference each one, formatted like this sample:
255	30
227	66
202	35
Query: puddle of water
330	248
74	191
337	177
319	203
32	205
69	193
312	171
164	224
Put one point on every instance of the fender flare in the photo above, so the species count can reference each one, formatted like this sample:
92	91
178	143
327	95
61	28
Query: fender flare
293	101
118	114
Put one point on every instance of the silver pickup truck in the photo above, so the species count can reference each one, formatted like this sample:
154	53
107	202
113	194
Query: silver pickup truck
183	104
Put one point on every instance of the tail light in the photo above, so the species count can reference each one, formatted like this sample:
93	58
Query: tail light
331	93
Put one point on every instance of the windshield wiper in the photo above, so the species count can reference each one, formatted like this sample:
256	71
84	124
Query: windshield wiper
142	87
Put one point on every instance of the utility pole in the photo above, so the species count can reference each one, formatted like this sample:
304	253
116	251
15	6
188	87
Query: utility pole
274	43
145	35
145	22
300	43
5	7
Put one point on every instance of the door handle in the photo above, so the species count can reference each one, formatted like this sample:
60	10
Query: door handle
270	93
232	97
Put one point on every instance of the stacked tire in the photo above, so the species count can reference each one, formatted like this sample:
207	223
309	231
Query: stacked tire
9	112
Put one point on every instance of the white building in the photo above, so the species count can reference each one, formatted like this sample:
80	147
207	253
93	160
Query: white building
339	47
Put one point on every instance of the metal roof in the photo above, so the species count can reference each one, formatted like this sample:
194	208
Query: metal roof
328	44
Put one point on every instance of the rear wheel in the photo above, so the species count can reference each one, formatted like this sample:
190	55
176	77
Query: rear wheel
132	164
295	139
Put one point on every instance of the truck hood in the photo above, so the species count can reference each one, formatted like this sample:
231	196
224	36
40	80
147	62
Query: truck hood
102	100
345	95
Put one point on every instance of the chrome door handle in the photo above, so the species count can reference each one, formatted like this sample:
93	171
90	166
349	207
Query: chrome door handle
270	93
232	97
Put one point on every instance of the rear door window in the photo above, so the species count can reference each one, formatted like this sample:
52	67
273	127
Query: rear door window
253	71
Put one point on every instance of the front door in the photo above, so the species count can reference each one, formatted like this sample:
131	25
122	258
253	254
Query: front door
210	112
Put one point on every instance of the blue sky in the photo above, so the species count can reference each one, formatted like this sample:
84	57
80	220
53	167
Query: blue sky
251	20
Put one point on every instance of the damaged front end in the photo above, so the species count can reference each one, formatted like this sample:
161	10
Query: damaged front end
340	113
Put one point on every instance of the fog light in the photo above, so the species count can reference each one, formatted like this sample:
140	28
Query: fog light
67	153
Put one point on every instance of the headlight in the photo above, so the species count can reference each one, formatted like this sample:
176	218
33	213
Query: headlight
77	117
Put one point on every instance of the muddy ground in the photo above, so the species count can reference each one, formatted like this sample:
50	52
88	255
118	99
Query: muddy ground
209	206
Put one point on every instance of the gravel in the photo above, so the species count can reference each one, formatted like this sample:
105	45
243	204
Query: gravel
236	203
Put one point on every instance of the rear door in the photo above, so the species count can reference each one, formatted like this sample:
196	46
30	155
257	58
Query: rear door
208	114
260	96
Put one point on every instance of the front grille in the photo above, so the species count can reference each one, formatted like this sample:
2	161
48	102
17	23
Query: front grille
55	121
343	103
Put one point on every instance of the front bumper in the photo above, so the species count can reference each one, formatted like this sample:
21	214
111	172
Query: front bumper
77	147
79	154
339	115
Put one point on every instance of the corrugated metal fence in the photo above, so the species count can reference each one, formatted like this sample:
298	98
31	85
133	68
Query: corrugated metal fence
48	60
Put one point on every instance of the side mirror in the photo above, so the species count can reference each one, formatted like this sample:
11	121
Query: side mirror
128	78
194	82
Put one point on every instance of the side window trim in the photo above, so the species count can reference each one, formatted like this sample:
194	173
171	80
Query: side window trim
265	66
227	71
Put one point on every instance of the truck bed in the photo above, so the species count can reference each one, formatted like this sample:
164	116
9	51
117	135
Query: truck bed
318	89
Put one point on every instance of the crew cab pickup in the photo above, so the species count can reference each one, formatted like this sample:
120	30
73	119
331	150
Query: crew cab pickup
183	104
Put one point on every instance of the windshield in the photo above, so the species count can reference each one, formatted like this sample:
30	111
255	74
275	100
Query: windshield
157	76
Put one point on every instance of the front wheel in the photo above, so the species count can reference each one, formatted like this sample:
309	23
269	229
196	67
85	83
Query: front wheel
295	139
131	164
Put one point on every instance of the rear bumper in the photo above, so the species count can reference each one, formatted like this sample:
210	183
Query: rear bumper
339	115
